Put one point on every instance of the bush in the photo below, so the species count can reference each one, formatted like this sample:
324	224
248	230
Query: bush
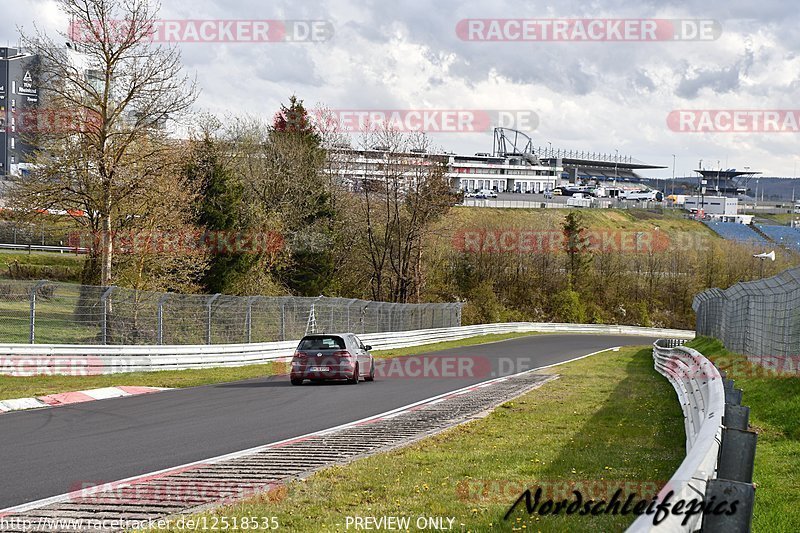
569	307
17	270
482	306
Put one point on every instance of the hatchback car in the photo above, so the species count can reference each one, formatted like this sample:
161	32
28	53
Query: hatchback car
329	356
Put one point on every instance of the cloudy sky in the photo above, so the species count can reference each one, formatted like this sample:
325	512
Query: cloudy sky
598	96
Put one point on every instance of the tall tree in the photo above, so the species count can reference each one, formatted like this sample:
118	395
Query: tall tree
576	244
219	203
124	89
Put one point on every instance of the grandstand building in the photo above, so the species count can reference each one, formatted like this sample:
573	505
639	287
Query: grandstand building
512	166
502	173
357	168
730	181
584	167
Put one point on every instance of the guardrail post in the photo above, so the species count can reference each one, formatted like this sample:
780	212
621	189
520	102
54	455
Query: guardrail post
737	455
35	288
736	417
720	490
104	322
733	397
160	317
209	304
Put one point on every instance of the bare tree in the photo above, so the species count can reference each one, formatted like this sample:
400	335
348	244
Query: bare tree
123	90
401	198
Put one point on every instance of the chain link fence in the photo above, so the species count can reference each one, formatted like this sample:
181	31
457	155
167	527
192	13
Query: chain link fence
47	312
760	319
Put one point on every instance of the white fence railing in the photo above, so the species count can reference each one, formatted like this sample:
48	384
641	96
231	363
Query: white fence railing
27	359
701	394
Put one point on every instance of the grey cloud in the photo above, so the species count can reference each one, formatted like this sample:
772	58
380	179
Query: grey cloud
721	80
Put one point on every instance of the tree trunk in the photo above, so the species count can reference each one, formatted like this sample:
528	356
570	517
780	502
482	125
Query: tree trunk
106	251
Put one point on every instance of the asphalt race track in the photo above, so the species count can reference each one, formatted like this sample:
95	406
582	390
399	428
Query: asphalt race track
54	451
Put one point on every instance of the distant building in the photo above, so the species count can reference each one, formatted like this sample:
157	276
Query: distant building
507	173
501	173
19	94
717	209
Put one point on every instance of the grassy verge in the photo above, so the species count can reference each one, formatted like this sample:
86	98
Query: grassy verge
672	222
22	387
40	265
610	421
775	414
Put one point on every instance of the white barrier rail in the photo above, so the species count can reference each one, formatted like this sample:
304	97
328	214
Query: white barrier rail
28	359
701	394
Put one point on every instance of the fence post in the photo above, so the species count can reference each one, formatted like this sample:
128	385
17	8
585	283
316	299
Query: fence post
283	321
209	304
248	320
104	303
362	319
33	309
160	324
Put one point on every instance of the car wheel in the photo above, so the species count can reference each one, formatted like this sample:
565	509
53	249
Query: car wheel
371	376
297	382
354	380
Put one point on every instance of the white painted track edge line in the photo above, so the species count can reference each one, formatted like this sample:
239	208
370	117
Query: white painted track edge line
235	455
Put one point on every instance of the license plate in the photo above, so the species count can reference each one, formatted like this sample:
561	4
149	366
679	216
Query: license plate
320	369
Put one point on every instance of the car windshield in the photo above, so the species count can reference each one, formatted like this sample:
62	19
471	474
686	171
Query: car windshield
325	342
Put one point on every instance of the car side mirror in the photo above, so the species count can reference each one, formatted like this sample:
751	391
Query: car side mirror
367	347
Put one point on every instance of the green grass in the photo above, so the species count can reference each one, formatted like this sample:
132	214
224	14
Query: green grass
781	219
41	265
775	414
551	219
23	387
610	419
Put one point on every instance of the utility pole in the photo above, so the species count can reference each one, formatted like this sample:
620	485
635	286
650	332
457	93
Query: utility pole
673	174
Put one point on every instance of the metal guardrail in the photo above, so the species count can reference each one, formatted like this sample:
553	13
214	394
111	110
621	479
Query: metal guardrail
710	416
43	248
27	359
